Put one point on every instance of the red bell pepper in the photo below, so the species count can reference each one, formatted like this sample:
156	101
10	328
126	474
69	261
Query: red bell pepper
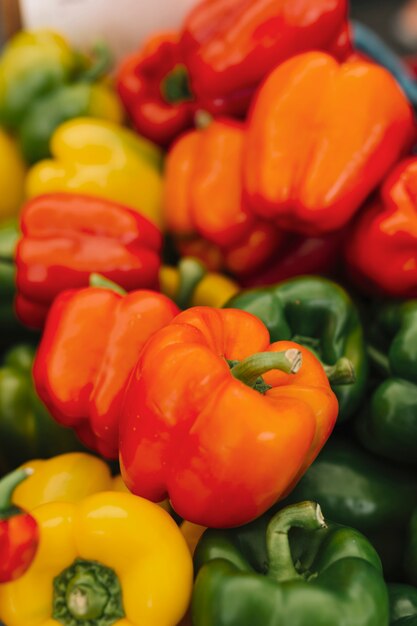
320	138
201	425
90	345
229	46
66	237
19	535
381	251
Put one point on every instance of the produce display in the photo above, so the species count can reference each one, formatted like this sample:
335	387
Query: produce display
208	308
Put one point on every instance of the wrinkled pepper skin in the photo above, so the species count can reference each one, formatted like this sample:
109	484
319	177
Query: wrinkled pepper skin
381	251
388	424
62	243
12	178
84	389
19	534
229	46
190	429
26	428
314	182
44	83
319	314
403	605
322	574
203	198
356	489
110	559
99	158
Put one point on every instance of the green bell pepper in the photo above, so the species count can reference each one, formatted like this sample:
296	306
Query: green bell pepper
292	570
320	315
388	423
403	605
44	83
27	430
357	489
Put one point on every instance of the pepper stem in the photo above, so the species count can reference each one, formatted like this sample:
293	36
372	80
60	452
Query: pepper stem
101	282
175	87
202	119
250	369
7	486
305	515
191	272
342	373
101	65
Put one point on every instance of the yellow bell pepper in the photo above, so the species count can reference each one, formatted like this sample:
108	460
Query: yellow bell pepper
12	177
110	559
192	534
100	158
190	285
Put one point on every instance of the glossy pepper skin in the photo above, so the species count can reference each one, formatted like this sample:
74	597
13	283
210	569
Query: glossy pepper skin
223	450
110	559
314	182
403	605
27	430
229	46
203	198
63	240
319	314
388	424
381	251
19	535
83	388
322	574
102	159
357	489
44	83
12	178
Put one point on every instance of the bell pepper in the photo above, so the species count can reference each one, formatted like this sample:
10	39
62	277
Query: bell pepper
102	159
90	345
43	83
403	605
203	197
411	551
111	559
320	315
63	239
191	285
314	181
381	251
26	428
356	489
318	574
19	536
388	423
220	420
12	178
229	46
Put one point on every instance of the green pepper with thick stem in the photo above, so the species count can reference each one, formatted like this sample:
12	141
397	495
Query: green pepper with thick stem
403	605
27	431
320	315
291	570
388	423
43	83
357	489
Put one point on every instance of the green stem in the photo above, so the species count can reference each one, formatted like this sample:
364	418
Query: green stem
191	273
305	515
103	61
175	87
379	360
101	282
7	486
342	373
250	369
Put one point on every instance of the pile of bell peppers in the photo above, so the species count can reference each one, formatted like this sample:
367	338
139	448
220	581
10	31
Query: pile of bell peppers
208	305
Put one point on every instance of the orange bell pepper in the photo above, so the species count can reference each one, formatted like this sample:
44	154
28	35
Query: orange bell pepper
200	424
321	136
204	207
